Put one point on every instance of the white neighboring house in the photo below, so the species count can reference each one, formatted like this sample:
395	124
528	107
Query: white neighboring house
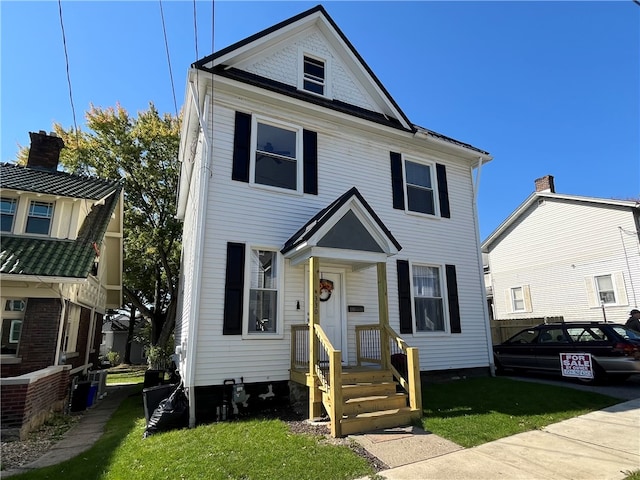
299	169
566	255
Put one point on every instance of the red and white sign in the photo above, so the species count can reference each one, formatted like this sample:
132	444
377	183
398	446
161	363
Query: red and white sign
577	365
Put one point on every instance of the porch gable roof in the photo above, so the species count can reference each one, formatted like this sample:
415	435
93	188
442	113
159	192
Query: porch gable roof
348	223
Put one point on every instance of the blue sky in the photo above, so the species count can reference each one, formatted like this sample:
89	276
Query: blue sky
545	87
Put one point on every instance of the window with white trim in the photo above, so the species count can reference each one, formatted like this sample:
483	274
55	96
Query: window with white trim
7	213
428	298
605	289
12	321
277	158
420	187
264	280
313	75
517	300
39	218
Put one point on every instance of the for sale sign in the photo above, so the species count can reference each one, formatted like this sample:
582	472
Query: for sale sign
577	365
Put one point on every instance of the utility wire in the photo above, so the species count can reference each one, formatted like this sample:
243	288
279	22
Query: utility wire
166	46
195	28
66	58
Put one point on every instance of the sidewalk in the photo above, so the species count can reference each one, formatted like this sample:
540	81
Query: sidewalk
83	435
599	445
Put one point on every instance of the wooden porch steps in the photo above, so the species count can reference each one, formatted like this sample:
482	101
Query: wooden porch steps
370	402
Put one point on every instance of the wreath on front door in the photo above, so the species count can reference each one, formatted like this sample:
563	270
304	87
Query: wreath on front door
326	288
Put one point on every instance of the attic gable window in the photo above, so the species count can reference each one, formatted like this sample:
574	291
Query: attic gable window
313	75
277	161
8	213
39	219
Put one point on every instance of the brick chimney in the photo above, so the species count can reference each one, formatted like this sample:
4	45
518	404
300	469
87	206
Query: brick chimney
45	151
545	184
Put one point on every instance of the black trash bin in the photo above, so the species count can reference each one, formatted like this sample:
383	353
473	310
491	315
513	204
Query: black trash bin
153	378
79	396
151	397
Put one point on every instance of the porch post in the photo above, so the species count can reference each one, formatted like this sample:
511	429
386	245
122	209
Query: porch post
383	315
315	395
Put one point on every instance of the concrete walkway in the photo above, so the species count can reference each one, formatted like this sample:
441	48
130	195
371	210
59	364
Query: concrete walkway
601	445
83	435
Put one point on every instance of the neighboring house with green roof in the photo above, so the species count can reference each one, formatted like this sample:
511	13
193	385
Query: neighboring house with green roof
60	270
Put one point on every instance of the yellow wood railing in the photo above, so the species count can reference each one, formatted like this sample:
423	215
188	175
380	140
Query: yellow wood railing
381	345
328	368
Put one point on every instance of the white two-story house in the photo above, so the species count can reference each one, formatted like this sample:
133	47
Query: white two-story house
326	236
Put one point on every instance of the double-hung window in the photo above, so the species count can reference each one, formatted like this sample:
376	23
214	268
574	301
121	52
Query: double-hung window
420	190
277	151
12	319
314	75
8	213
606	292
39	218
263	291
428	301
517	299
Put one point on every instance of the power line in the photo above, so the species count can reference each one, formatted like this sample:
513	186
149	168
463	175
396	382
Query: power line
166	45
195	28
66	58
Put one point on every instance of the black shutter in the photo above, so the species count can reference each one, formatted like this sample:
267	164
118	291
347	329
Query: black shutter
397	181
452	293
404	296
241	147
310	165
443	191
233	290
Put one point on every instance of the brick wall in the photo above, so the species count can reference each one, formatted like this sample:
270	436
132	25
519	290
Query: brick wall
97	340
39	336
30	399
83	333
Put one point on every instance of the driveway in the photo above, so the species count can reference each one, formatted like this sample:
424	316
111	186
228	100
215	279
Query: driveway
627	390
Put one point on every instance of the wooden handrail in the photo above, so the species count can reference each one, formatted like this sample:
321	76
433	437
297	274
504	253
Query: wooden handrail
409	380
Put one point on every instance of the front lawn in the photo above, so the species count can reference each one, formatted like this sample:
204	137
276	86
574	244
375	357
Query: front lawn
468	412
479	410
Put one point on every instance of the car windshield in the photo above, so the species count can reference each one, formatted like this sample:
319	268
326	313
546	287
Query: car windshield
626	333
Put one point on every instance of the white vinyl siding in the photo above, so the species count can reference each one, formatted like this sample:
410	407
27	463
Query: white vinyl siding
557	248
269	218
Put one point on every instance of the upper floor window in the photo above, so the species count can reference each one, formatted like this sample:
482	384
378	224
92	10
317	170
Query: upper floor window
428	299
276	156
606	292
420	187
314	75
8	213
12	318
263	291
39	219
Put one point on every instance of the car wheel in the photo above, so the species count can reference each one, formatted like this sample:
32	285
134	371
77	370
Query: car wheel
498	366
599	376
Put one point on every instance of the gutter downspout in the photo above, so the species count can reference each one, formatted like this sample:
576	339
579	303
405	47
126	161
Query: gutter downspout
485	310
197	271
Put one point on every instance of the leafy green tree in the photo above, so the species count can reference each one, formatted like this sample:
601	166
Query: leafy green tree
142	151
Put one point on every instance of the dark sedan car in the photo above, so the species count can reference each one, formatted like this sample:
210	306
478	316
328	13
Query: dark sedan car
589	351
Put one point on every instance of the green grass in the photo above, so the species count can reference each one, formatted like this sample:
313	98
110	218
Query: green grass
475	411
126	374
251	449
468	412
635	475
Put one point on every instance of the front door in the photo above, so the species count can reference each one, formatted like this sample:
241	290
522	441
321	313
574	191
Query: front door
332	316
